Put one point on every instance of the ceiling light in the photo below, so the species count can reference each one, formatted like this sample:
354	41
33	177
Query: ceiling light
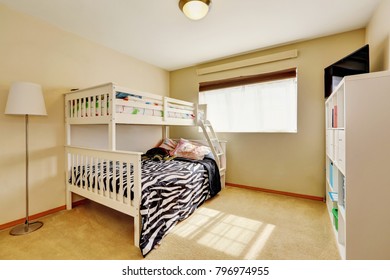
195	9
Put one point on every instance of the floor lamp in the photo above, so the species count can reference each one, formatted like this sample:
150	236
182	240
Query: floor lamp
25	99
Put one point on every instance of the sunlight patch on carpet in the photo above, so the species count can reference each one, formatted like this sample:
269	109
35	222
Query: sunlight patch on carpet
227	233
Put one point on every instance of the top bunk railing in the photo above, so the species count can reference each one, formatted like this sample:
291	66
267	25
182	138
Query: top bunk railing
89	105
110	103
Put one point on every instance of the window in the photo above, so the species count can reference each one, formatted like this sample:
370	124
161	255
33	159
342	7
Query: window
261	103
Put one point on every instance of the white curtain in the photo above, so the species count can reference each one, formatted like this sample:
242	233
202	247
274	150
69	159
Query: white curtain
262	107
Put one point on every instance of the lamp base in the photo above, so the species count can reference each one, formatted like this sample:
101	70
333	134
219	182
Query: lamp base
26	228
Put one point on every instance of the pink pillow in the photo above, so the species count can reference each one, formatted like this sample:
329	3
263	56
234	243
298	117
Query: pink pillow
190	150
168	144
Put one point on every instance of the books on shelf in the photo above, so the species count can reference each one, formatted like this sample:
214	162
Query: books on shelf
334	117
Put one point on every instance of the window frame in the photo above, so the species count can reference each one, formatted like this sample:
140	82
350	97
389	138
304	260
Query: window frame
290	73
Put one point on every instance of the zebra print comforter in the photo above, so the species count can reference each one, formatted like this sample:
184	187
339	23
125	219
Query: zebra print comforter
171	192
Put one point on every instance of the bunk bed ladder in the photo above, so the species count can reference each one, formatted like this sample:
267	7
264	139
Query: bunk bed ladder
214	145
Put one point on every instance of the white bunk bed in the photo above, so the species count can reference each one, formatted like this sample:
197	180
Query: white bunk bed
102	175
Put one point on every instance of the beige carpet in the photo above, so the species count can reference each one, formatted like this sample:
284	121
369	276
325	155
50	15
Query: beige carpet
237	224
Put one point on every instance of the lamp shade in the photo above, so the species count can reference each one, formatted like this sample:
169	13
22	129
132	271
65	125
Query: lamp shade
25	99
195	9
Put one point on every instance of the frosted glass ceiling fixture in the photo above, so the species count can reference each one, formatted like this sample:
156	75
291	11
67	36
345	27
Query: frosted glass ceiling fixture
195	9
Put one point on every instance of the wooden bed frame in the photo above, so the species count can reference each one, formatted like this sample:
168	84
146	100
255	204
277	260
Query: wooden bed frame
99	105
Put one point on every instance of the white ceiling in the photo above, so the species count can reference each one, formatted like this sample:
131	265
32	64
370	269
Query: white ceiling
157	32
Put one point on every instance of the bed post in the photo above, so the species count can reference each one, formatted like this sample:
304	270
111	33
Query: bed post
112	123
137	228
137	201
68	199
165	131
112	136
68	193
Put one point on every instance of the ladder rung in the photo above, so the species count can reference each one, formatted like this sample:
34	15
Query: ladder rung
220	154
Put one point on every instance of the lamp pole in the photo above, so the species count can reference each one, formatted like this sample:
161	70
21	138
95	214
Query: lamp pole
27	204
27	227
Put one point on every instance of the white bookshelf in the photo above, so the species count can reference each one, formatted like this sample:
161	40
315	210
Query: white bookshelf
358	164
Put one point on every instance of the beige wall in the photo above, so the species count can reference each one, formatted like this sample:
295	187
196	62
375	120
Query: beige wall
284	162
31	50
377	36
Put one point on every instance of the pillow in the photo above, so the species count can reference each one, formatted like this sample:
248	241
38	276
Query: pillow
190	150
168	144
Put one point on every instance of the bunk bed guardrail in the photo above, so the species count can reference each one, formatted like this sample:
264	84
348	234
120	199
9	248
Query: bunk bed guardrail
109	102
116	182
